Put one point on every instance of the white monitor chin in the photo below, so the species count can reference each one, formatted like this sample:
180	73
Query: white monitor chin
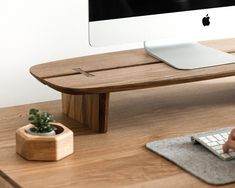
188	24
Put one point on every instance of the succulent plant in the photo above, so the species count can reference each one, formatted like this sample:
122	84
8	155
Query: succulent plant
41	121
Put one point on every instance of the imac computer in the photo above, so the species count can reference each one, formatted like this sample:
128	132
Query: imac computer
169	29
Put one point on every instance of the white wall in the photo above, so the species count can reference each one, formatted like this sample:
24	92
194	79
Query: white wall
38	31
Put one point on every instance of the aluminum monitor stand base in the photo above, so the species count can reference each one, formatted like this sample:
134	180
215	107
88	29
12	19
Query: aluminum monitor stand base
188	56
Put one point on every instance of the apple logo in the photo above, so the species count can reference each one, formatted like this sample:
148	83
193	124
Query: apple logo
206	20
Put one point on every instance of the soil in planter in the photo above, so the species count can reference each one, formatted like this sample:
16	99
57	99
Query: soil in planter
58	130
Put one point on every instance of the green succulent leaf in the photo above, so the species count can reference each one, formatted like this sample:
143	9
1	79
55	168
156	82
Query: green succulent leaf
33	111
31	118
41	121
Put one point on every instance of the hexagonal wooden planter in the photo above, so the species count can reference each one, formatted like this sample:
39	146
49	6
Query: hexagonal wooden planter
44	148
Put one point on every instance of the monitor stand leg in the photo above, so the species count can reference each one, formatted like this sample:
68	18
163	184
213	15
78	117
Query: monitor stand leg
188	55
91	110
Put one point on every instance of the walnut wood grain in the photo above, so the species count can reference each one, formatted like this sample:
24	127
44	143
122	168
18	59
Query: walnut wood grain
126	70
154	75
92	63
91	110
119	158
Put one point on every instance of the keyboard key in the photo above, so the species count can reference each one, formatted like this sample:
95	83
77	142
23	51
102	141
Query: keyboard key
212	144
219	137
232	153
225	135
221	142
219	147
225	156
211	138
204	139
220	151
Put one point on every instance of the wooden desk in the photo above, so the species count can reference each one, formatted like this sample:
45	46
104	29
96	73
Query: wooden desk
86	82
119	158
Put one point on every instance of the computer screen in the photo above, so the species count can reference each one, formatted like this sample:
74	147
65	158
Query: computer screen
123	21
114	9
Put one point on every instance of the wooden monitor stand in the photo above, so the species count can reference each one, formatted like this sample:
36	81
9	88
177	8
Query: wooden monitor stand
86	82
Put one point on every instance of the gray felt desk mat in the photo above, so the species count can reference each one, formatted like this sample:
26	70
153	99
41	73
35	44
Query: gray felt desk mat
195	159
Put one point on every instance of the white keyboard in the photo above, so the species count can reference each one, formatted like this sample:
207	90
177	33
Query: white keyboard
214	141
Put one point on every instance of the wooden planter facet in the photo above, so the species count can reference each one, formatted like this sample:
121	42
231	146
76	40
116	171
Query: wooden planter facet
44	148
